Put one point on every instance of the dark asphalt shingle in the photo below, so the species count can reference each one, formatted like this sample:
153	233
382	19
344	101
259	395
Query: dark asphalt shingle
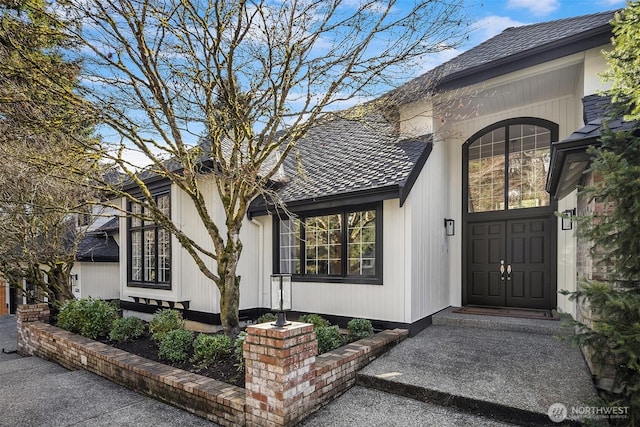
98	247
512	43
341	156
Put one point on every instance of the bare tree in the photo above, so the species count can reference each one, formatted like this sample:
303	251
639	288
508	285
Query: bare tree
249	77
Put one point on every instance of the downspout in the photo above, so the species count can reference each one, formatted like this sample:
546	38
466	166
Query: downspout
260	261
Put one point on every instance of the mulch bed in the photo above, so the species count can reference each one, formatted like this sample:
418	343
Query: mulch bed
224	370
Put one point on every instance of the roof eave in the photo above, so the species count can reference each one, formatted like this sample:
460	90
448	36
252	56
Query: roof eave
562	178
566	46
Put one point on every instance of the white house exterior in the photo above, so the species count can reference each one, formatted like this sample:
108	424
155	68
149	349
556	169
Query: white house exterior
470	141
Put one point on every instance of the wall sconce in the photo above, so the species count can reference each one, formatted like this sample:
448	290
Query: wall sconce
450	226
567	218
281	297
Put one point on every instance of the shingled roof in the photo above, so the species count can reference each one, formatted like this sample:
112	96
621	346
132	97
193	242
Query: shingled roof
569	157
346	158
513	49
99	245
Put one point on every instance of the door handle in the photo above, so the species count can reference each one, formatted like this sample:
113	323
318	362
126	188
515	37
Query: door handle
509	272
501	269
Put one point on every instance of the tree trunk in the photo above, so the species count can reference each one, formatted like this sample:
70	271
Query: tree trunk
229	287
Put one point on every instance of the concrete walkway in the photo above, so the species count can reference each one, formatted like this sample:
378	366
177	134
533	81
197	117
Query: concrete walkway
463	370
35	392
485	368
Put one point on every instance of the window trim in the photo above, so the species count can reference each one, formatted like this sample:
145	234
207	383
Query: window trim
344	277
554	130
142	228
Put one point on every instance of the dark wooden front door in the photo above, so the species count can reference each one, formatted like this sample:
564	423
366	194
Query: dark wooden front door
510	263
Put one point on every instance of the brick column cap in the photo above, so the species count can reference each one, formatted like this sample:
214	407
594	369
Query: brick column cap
293	329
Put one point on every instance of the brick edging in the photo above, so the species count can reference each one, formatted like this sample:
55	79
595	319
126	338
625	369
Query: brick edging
211	399
326	376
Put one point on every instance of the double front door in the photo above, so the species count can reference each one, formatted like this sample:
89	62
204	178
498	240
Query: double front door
510	263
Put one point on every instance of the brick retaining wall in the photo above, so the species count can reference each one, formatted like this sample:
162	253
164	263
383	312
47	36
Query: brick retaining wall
285	380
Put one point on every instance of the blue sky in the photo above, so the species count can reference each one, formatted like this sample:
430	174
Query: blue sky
490	17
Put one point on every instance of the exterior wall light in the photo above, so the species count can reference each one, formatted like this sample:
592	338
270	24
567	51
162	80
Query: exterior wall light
450	226
281	297
567	218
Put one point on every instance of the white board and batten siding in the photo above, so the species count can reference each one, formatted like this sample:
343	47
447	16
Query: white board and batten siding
188	283
96	280
381	302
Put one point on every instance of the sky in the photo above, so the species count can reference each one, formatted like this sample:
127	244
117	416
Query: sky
487	19
490	17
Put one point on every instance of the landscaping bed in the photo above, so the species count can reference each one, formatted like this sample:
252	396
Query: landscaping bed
225	369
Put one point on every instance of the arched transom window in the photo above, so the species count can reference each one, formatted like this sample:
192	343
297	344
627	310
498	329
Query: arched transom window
508	164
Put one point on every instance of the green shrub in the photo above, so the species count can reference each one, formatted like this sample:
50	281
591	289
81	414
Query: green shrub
238	349
359	329
328	338
209	348
315	319
89	317
126	328
267	317
175	345
163	322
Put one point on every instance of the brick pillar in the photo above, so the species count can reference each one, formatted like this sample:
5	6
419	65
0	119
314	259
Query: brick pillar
26	314
280	373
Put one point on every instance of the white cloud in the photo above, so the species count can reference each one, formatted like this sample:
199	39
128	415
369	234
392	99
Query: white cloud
535	7
613	2
492	25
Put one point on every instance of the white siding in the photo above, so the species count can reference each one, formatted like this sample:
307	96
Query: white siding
188	283
594	64
425	210
383	302
567	257
95	279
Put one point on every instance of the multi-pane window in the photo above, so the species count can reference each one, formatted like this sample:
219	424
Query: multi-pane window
336	245
150	247
507	168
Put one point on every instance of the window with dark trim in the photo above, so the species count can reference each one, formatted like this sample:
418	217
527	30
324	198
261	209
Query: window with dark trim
336	246
507	165
149	248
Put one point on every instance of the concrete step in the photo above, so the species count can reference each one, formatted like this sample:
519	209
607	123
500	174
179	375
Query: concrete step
497	323
502	375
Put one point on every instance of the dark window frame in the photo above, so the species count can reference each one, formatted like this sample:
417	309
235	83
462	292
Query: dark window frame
144	226
554	129
375	279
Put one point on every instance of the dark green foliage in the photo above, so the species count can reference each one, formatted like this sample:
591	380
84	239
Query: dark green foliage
328	338
315	319
238	349
207	349
126	328
624	60
89	317
267	317
359	329
613	335
176	345
163	322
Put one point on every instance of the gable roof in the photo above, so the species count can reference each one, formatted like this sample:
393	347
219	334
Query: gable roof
514	49
352	160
